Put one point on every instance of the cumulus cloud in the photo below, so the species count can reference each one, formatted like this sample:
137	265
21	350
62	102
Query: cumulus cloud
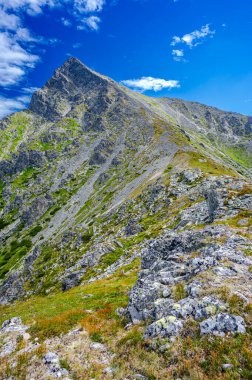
89	6
8	106
32	7
91	23
75	7
17	43
14	59
23	34
65	21
178	55
150	83
8	21
29	90
194	38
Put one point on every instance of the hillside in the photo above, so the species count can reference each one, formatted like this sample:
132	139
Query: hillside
125	234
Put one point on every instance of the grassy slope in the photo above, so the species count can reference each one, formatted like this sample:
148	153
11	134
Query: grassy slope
189	357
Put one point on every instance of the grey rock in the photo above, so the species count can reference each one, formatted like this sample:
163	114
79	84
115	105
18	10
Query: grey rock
227	366
165	327
13	324
164	347
121	311
223	323
101	152
52	361
162	307
212	199
132	227
36	210
134	314
166	292
138	376
51	358
98	346
72	280
190	176
194	288
222	271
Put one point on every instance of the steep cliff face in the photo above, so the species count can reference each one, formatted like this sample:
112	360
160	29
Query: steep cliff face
95	178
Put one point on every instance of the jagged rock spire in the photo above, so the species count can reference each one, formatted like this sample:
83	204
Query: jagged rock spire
69	84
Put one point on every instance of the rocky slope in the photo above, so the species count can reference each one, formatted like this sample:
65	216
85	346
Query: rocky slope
94	178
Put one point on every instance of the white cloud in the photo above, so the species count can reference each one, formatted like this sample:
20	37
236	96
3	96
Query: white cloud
29	90
175	40
8	106
76	8
35	7
8	21
89	6
178	55
65	21
91	22
149	83
17	42
194	38
23	34
14	59
32	7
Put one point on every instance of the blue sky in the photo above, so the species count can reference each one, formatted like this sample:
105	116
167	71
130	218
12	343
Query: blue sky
197	50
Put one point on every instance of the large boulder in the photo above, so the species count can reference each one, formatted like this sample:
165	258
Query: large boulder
223	323
165	327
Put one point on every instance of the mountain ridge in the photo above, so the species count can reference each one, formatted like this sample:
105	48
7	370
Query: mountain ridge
143	202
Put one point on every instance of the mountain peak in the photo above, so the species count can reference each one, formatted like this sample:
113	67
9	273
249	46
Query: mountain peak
72	64
71	81
73	60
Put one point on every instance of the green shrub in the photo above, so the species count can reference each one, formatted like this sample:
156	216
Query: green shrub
87	236
35	230
14	245
54	210
26	243
64	364
3	223
96	337
179	292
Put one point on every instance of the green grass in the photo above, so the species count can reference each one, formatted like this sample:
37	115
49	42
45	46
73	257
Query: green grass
2	185
179	292
55	314
12	136
58	136
240	154
190	356
24	178
10	255
202	162
35	230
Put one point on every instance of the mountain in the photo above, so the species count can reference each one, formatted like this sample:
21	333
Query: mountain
125	233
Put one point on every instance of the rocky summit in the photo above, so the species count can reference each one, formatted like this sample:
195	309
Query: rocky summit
125	229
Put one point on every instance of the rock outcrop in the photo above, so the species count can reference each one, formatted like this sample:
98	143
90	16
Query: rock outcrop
183	272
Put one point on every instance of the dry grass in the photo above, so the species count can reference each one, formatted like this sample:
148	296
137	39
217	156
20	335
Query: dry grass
189	357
